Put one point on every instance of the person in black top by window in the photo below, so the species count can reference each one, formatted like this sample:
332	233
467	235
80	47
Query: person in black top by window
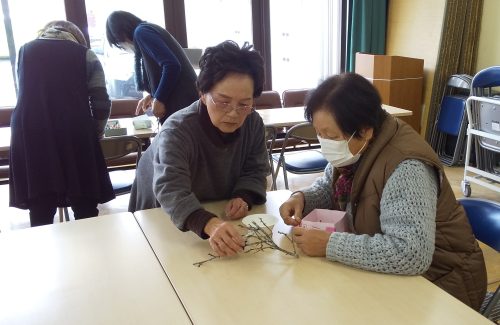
162	69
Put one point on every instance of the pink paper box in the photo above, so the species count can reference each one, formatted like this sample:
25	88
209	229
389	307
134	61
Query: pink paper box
328	220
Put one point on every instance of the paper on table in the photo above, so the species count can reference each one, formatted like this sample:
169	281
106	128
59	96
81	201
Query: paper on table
141	122
258	218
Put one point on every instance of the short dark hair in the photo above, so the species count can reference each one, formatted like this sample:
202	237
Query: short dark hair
351	99
120	27
228	57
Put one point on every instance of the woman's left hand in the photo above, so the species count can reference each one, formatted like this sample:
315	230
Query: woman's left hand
311	241
143	105
159	109
236	209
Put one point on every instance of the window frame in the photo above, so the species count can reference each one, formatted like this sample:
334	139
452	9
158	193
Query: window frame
175	23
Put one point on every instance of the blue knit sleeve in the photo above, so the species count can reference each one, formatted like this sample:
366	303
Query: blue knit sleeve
151	43
319	194
407	219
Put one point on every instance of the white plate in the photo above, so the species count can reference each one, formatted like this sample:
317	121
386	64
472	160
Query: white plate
268	219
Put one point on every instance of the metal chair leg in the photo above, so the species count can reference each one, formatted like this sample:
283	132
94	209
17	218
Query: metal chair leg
273	176
60	211
63	214
492	303
285	177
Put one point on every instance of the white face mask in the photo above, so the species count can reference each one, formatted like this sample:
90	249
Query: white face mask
337	151
127	47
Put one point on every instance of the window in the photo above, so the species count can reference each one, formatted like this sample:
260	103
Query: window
118	65
25	27
7	71
210	22
304	51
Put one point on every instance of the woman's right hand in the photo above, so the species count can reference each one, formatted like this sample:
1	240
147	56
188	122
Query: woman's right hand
224	239
291	209
143	104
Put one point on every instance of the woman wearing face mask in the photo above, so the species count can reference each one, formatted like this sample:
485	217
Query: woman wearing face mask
403	214
162	69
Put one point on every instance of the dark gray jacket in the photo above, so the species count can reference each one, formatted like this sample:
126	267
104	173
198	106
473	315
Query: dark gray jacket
190	167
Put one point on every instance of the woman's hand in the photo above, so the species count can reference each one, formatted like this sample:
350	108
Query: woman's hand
159	109
236	209
224	239
311	241
291	210
143	104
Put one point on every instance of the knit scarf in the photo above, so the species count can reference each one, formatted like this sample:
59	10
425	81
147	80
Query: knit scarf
342	187
141	77
54	33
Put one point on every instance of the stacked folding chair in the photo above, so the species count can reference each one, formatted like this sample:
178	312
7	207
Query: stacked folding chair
483	132
449	131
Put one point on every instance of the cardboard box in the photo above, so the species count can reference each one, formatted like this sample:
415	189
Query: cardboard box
115	132
389	67
113	128
328	220
398	79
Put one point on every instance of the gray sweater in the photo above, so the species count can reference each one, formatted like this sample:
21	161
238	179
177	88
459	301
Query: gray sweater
98	96
191	161
407	220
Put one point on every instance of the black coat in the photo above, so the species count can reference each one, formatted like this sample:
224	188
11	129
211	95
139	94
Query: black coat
55	153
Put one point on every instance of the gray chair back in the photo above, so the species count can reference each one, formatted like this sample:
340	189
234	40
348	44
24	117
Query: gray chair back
268	99
295	97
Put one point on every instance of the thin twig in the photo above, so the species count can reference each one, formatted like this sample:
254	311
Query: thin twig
212	257
258	239
291	240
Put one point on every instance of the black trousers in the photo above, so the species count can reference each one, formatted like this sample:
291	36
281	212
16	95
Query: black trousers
42	213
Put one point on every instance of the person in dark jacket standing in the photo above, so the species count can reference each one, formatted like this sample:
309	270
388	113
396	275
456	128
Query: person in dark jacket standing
162	69
62	109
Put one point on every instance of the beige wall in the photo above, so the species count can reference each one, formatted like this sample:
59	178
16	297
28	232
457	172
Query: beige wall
489	39
414	30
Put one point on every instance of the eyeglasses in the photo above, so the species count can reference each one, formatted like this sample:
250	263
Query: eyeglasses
226	107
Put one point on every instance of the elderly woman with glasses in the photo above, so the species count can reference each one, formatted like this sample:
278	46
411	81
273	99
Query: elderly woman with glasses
213	149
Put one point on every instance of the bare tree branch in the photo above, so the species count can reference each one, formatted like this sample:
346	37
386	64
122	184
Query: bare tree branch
258	239
212	257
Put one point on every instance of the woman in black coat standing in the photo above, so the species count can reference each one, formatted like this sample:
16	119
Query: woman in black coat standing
62	108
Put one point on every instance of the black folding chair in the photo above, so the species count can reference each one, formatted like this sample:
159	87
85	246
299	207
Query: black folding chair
115	148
